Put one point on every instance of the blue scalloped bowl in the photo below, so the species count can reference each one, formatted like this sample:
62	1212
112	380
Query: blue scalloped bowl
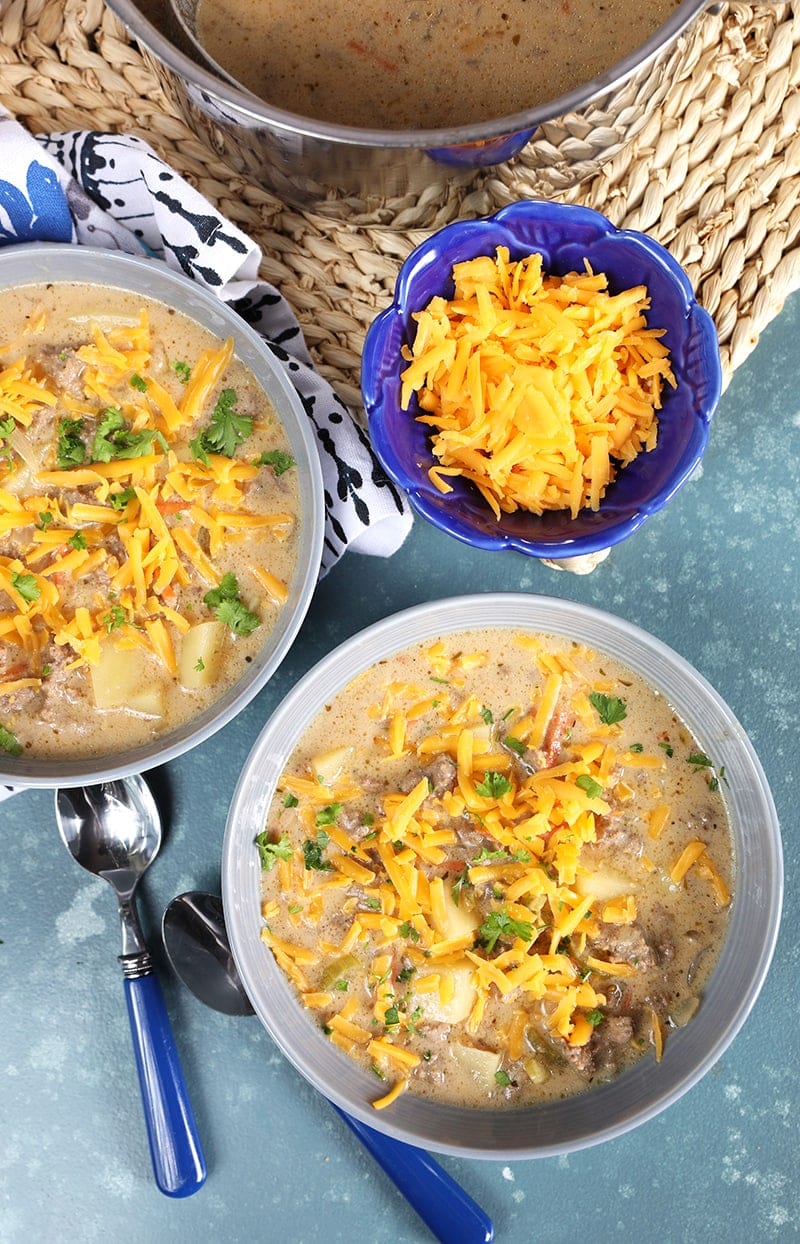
565	236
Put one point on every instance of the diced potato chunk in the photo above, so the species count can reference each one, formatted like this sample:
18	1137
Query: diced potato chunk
120	676
201	654
482	1065
459	1004
460	919
603	883
150	702
328	766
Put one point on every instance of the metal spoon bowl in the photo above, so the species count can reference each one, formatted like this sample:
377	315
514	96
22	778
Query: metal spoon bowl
197	946
113	830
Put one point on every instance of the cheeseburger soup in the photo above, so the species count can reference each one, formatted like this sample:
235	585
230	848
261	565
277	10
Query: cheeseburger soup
497	869
148	519
420	65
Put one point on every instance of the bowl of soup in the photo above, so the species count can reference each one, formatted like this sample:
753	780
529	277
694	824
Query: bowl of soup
374	113
541	381
502	876
161	514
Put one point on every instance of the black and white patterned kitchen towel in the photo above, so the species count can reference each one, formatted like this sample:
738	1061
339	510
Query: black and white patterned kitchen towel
113	191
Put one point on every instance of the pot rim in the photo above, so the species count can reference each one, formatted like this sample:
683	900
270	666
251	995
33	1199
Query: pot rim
249	107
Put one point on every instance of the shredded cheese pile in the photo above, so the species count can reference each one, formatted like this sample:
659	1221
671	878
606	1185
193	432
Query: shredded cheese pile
537	387
537	828
154	557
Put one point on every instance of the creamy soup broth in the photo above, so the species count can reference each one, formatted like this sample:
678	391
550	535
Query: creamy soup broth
523	922
121	656
420	66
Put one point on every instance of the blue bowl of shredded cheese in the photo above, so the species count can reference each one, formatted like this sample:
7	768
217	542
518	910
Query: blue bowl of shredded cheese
542	381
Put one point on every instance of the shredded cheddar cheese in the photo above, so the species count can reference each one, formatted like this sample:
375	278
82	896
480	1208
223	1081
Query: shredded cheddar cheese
537	388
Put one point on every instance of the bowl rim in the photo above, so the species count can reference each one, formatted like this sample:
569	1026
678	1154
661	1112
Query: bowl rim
464	239
68	263
224	94
604	1112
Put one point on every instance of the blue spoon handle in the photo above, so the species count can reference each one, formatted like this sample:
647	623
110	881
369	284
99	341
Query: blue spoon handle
178	1162
442	1204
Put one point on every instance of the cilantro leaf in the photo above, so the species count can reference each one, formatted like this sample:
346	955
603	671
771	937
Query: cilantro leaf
77	540
593	789
138	382
114	619
182	370
516	745
328	814
26	585
228	607
498	924
609	707
9	742
114	439
494	785
277	459
7	426
595	1017
312	853
269	851
70	449
226	430
118	500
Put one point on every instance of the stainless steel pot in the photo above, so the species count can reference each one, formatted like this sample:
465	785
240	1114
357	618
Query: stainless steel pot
393	176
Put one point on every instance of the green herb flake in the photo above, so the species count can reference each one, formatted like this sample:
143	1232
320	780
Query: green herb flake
502	1078
270	851
77	540
277	459
595	1017
407	930
118	500
114	619
290	801
516	745
609	707
26	585
199	665
668	748
228	607
9	742
226	430
636	747
138	382
114	439
328	814
593	789
70	449
45	519
499	925
182	370
312	854
699	760
494	785
486	714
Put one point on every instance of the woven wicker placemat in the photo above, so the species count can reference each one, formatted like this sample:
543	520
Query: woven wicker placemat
714	175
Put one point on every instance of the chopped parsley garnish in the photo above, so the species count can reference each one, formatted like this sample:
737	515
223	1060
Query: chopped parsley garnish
610	708
45	519
199	665
342	985
312	853
113	438
391	1017
225	432
593	789
224	599
47	671
77	540
486	714
182	370
405	974
290	801
498	924
269	852
494	785
502	1078
7	427
26	585
138	382
595	1017
118	500
516	745
699	760
9	742
458	886
114	619
328	814
636	747
407	929
277	459
70	449
668	748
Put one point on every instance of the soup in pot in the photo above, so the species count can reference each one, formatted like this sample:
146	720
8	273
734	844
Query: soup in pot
420	65
148	519
497	869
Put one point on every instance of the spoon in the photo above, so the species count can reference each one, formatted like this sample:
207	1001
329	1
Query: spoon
197	946
114	831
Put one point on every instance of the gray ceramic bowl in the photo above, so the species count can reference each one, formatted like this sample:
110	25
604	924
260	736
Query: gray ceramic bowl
647	1087
28	264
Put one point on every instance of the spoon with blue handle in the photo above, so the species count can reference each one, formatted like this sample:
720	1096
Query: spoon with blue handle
197	946
113	830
